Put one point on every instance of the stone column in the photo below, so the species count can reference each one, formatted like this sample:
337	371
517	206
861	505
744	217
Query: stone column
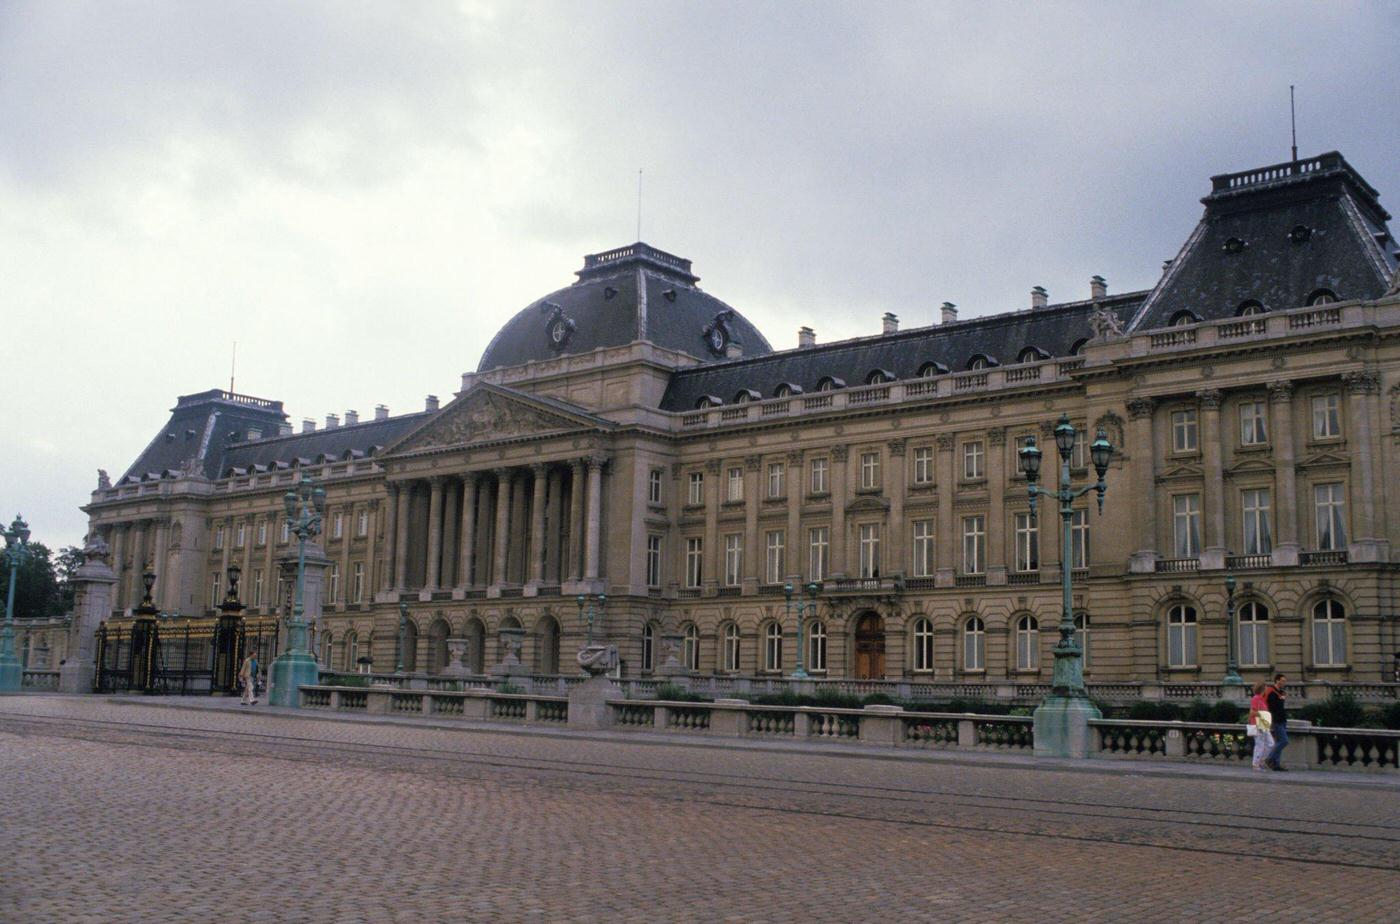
449	534
388	579
1144	487
1368	543
797	562
164	580
946	552
1212	499
118	549
996	505
135	590
1285	478
92	604
895	560
537	543
502	537
710	564
554	528
434	570
753	549
401	538
468	550
575	544
516	566
595	515
839	489
342	596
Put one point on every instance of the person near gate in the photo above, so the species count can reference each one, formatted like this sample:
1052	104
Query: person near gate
1260	721
1278	711
248	677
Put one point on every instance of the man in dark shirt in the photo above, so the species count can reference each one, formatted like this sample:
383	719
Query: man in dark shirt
1278	713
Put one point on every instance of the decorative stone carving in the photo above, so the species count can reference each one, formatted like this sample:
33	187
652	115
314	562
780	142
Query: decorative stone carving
712	466
488	416
897	448
97	550
1394	285
840	452
457	650
752	463
794	457
1112	425
1138	408
1210	398
1105	324
719	333
944	441
1395	407
1364	382
1281	390
996	436
597	660
558	327
103	482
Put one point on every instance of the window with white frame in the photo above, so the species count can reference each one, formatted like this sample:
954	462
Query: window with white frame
696	494
733	558
215	588
357	587
816	646
1329	634
869	470
694	560
1258	533
286	532
1079	539
690	651
1253	620
1184	434
337	525
362	524
1079	451
648	648
923	645
1027	543
774	542
1326	416
818	550
777	476
1186	525
734	490
924	562
326	646
731	647
1181	636
1027	644
773	647
262	532
1329	505
352	651
654	486
869	550
333	590
974	644
1081	635
974	461
653	560
923	465
219	537
1253	423
257	587
240	535
974	533
820	469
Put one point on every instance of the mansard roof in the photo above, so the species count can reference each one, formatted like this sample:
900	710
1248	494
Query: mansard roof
367	438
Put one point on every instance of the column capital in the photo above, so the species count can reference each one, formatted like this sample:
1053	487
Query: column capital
1362	382
794	457
577	464
1138	408
1210	398
840	452
1281	390
598	459
436	481
996	436
712	466
504	473
469	477
944	442
538	469
897	447
753	463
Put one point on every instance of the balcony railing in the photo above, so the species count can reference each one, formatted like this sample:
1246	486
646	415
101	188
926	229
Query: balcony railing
1327	557
1178	565
1248	562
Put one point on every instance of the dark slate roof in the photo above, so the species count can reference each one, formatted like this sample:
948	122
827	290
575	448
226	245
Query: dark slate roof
1055	329
1242	249
360	440
606	311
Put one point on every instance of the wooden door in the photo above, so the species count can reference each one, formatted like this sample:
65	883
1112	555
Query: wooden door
870	647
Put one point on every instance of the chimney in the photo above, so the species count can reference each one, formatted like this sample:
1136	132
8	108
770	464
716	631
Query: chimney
332	421
890	323
381	412
1098	287
284	429
352	418
431	404
806	338
1039	297
308	425
950	312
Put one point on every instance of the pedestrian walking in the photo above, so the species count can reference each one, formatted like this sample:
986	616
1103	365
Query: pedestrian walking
1260	720
1277	699
248	676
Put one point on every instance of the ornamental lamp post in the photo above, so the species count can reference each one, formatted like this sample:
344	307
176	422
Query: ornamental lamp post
805	611
581	599
226	636
294	668
145	637
1232	663
11	671
1061	721
401	639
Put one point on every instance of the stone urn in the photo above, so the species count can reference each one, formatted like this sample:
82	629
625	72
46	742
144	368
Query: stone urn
457	653
589	701
512	640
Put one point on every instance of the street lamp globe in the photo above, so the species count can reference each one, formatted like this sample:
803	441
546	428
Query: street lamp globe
1064	436
1030	460
1101	452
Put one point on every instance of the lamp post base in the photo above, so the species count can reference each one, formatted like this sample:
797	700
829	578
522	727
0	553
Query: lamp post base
289	673
1062	726
11	675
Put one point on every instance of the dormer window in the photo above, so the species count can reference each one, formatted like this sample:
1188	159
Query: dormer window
879	376
929	369
1078	347
830	383
787	390
1184	318
1249	309
1032	354
980	361
1322	297
1234	245
708	401
745	395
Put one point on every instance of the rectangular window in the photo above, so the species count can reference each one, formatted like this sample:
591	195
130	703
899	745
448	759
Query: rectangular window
219	537
654	486
974	459
333	596
362	524
1253	429
1186	525
262	532
819	473
777	474
696	494
694	560
735	491
923	465
818	547
653	561
258	587
286	531
337	525
974	532
357	587
870	550
1184	431
774	548
1330	506
1081	444
869	470
1327	417
240	535
1258	537
216	588
733	558
1027	543
923	548
1079	539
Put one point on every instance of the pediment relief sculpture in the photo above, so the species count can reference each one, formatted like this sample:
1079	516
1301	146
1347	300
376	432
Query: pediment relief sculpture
485	417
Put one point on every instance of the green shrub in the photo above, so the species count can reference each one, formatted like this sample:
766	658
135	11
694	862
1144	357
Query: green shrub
1390	716
348	680
674	693
834	699
1341	710
1225	713
878	699
1198	710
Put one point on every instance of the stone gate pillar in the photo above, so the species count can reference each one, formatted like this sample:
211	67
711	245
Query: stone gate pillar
95	584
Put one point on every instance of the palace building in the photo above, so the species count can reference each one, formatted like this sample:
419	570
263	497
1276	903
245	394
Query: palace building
632	435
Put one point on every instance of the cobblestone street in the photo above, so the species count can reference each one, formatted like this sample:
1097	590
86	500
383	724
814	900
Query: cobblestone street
119	812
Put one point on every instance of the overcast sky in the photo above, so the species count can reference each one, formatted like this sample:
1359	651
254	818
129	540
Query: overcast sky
361	194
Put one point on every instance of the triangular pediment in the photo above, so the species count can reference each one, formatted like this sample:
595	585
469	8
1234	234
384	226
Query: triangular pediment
491	414
867	505
1322	459
1249	466
1180	471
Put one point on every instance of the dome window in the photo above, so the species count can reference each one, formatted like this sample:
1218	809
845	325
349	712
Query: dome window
879	377
1184	318
1322	297
558	327
1300	234
746	395
1249	309
931	368
669	295
609	293
787	390
830	383
1234	245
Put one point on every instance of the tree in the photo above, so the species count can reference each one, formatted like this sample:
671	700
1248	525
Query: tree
39	594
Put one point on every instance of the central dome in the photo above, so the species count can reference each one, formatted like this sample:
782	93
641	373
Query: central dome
631	293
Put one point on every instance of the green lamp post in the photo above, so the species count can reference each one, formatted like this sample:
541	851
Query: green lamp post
1232	658
805	610
588	620
11	671
1061	722
295	667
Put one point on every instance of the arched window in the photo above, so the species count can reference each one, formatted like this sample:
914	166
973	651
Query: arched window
878	376
830	383
923	644
707	401
977	362
745	395
1322	297
929	369
690	652
476	646
1184	318
547	645
1249	309
974	644
1181	636
648	648
351	645
1081	635
326	647
816	646
1027	644
409	652
1254	635
1329	634
773	647
787	390
730	658
437	645
1031	354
